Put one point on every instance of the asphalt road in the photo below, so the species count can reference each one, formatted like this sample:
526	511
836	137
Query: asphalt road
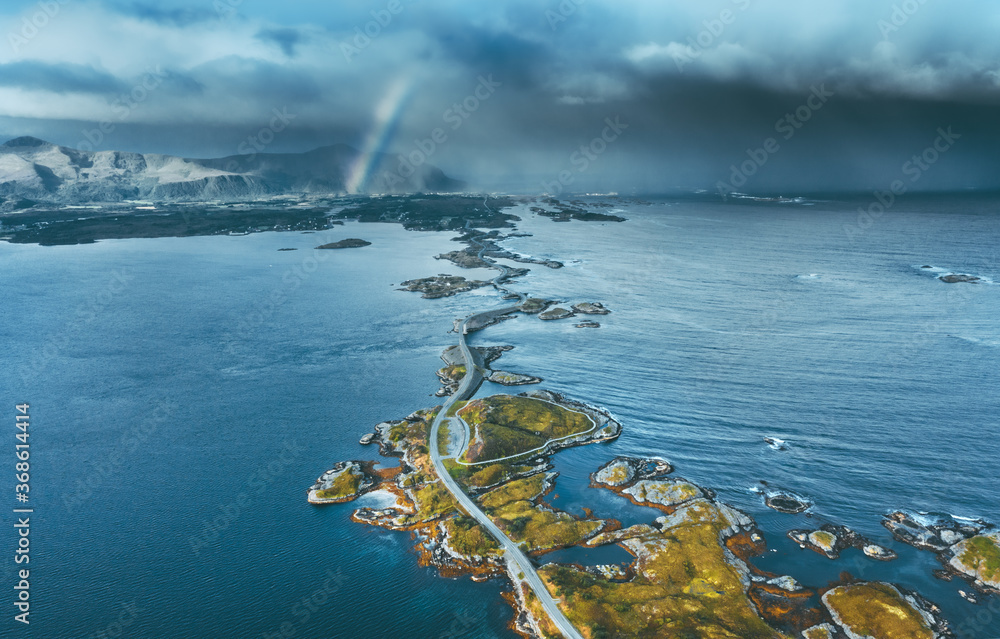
512	552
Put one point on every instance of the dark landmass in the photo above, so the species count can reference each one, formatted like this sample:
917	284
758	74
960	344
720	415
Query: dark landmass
62	227
573	211
433	212
352	242
287	249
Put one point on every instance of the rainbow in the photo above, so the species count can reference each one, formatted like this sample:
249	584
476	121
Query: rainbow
388	113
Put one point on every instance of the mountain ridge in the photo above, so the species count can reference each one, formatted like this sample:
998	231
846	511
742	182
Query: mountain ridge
34	169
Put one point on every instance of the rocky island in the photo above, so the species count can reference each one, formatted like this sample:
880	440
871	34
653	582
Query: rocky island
348	243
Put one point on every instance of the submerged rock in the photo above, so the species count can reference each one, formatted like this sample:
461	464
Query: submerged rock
588	325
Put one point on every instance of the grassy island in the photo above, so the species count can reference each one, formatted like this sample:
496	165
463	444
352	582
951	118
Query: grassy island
876	610
684	585
503	425
513	508
346	484
980	558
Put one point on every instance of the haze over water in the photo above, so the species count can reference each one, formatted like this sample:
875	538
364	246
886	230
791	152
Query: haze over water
731	322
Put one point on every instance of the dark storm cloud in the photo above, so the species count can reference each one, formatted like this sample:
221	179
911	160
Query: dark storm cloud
700	83
58	78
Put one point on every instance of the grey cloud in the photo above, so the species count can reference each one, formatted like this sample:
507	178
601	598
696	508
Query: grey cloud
286	39
58	78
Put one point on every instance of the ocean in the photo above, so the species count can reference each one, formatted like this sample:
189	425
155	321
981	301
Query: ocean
184	393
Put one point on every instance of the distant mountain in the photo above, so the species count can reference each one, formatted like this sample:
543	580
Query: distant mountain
35	170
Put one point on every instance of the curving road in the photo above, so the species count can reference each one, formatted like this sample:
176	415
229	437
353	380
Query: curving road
515	557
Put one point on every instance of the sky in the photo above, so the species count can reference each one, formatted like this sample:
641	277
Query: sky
646	96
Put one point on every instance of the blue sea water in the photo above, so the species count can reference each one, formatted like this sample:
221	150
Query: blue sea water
186	391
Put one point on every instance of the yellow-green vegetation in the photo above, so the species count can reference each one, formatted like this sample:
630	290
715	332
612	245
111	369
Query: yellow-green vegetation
506	425
818	632
511	507
432	502
488	476
684	587
344	485
876	610
454	373
664	492
468	538
526	489
980	556
826	541
617	474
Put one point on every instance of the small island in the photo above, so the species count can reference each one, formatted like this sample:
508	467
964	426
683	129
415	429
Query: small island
351	242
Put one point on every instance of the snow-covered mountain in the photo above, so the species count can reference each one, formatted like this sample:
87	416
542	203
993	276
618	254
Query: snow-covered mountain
37	170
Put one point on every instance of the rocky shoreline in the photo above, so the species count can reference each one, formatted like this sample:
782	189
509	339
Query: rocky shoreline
969	550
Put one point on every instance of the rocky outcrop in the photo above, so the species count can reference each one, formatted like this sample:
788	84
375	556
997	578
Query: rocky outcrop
590	308
352	242
830	540
512	379
786	502
556	313
345	482
978	558
442	286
